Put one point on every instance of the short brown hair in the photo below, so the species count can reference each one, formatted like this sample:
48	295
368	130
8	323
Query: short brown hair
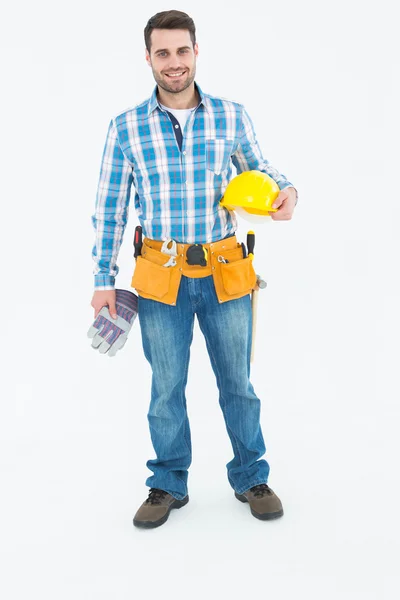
169	19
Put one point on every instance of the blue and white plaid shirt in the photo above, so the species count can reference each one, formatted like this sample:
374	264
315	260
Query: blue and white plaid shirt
179	180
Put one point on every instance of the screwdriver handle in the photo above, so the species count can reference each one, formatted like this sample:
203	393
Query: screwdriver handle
251	241
137	241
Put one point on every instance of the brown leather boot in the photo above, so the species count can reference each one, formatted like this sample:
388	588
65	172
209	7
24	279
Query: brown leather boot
264	503
155	510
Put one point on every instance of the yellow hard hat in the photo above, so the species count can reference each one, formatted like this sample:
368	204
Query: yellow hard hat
251	193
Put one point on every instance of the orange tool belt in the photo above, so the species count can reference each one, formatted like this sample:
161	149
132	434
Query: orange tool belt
232	279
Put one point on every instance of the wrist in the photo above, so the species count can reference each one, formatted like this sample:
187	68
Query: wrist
104	282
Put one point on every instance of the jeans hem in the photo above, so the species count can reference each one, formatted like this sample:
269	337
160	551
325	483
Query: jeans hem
175	495
247	487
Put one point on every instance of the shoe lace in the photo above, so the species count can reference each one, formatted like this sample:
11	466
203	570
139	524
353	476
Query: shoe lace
155	496
261	490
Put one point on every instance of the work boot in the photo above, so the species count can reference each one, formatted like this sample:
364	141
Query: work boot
155	510
264	504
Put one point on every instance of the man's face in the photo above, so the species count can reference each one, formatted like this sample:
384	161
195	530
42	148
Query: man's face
172	52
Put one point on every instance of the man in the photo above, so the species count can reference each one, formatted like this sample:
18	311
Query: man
176	149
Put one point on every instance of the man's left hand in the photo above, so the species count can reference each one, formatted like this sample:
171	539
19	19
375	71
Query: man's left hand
285	203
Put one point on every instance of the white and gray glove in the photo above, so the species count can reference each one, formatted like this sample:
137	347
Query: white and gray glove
109	335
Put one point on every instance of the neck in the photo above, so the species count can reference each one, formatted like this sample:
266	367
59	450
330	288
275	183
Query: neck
186	99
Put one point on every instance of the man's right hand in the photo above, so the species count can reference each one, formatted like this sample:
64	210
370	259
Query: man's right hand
104	298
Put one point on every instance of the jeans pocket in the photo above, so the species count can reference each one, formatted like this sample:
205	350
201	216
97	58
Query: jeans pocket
151	278
218	153
238	277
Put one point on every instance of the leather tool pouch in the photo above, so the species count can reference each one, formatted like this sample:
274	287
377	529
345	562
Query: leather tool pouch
154	281
235	278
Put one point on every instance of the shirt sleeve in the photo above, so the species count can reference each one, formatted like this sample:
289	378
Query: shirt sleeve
111	211
248	155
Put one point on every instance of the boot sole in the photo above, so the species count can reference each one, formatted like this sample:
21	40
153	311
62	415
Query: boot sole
151	524
264	516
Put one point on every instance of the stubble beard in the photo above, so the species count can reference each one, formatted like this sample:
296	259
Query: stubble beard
171	89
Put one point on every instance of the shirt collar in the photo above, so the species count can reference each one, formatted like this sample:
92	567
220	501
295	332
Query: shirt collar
153	101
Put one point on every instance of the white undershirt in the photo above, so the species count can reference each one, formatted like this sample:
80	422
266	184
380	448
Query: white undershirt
181	114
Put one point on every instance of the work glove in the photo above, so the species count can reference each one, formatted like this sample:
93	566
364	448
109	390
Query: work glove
109	335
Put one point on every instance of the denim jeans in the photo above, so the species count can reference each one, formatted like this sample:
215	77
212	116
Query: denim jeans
167	333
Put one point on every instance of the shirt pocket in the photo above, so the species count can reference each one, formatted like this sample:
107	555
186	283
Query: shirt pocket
218	154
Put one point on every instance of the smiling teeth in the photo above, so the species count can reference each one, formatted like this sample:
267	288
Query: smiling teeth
175	74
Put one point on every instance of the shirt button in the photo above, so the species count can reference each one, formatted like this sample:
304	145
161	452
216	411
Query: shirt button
176	126
184	152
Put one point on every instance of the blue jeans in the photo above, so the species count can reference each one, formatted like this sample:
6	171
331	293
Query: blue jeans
167	333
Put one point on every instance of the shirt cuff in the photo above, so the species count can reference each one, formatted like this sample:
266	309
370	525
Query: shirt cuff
104	282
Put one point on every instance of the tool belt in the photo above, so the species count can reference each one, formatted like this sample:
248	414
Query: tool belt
233	278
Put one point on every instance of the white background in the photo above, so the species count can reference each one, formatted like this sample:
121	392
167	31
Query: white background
320	81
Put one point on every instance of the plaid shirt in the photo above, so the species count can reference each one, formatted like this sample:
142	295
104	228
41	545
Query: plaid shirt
178	180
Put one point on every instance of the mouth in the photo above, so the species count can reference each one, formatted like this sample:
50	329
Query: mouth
178	75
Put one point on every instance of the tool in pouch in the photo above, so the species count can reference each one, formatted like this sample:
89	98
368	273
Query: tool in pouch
137	241
197	255
173	251
251	240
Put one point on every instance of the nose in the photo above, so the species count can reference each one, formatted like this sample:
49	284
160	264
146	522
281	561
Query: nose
174	64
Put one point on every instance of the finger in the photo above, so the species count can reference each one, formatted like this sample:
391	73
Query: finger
92	331
279	216
279	200
112	309
97	340
97	310
120	343
104	347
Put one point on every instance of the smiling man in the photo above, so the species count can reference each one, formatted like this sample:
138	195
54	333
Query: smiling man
176	149
173	70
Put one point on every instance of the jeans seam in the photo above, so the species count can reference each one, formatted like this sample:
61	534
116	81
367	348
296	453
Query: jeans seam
221	395
186	417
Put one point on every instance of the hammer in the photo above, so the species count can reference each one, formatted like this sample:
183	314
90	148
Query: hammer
251	240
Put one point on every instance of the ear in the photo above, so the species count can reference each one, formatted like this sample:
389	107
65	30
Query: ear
147	57
196	49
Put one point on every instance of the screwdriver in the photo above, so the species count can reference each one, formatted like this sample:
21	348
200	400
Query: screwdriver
251	240
137	241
